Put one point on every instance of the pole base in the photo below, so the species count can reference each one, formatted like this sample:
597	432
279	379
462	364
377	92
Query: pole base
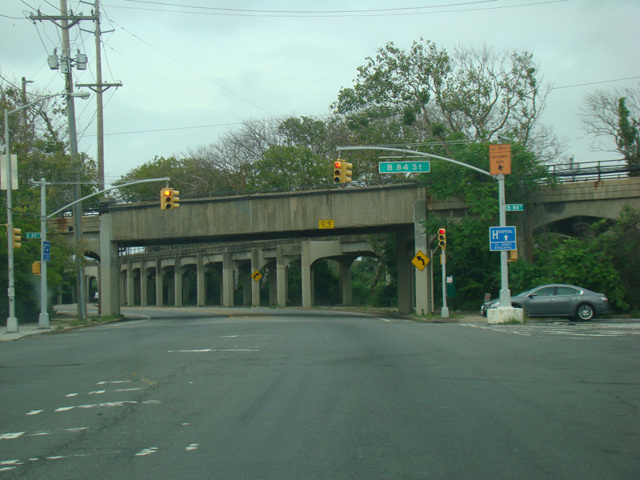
445	312
505	315
12	325
43	320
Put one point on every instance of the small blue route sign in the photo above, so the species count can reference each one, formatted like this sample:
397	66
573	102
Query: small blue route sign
46	251
502	238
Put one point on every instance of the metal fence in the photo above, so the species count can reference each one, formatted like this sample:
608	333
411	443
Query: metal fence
595	170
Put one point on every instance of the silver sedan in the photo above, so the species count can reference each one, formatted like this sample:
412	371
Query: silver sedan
557	300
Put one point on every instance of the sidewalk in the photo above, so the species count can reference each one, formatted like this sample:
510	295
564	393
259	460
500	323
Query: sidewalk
24	330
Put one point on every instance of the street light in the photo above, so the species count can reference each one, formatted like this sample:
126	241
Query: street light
12	321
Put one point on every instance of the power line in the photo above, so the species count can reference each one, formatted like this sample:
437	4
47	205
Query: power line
305	12
399	11
174	128
595	83
192	70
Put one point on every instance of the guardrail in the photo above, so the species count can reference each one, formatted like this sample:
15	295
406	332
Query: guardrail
596	170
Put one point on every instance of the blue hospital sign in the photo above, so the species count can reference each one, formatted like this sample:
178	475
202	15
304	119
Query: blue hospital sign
502	238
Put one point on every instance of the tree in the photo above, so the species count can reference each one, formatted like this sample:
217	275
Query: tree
427	95
42	150
613	119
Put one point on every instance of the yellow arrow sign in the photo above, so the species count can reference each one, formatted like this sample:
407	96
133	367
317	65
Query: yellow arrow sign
420	261
256	276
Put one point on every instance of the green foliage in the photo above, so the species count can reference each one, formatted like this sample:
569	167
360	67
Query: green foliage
621	244
629	137
42	152
283	167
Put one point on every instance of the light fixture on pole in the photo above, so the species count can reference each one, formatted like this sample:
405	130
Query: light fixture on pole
12	321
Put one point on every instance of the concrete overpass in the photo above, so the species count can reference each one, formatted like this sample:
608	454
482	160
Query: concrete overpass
238	236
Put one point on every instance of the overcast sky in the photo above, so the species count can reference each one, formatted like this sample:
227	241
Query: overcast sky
194	69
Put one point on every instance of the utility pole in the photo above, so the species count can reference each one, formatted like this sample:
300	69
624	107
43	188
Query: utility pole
99	88
66	22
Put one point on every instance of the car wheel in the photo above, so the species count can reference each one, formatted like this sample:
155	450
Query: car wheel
585	312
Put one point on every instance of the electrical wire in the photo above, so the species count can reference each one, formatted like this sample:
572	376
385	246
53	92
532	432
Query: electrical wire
329	13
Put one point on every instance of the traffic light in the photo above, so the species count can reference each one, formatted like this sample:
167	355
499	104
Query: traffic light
345	172
17	238
442	238
513	256
169	198
342	171
337	170
36	268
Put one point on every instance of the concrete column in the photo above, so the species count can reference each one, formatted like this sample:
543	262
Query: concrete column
273	286
256	264
281	277
143	285
227	279
200	282
130	285
109	268
404	273
422	278
159	285
345	280
177	282
245	278
305	268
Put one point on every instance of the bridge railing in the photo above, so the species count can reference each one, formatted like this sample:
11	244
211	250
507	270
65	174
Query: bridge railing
595	170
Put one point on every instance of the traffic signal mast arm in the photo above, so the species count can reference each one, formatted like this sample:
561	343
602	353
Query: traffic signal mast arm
135	182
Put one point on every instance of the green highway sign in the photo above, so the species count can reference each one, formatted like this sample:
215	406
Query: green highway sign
404	167
514	207
32	235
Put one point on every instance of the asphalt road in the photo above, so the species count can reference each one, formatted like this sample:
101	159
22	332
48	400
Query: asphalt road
271	394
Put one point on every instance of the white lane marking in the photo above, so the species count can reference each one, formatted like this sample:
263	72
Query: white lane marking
133	389
11	436
69	395
53	432
147	451
192	447
6	465
104	382
97	392
207	350
35	412
122	324
107	405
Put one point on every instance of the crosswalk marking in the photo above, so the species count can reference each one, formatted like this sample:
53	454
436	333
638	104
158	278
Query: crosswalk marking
565	329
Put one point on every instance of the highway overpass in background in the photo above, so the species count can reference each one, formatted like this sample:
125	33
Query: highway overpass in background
235	237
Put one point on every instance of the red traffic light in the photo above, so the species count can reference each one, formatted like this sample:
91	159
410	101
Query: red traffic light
166	192
337	164
442	231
